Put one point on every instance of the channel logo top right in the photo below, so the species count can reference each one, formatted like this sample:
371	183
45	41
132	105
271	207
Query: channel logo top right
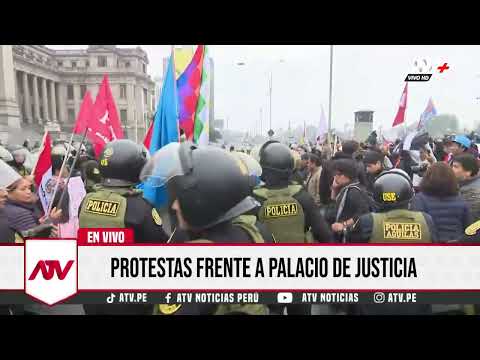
423	69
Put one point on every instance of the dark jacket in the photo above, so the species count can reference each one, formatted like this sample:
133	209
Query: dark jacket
8	235
326	177
22	217
361	173
470	190
355	204
139	218
451	214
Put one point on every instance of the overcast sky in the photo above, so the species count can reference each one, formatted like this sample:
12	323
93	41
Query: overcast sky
364	77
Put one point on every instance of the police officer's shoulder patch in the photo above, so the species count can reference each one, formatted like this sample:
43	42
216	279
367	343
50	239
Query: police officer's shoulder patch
156	217
473	228
166	309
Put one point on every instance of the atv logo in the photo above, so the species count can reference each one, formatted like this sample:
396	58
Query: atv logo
51	270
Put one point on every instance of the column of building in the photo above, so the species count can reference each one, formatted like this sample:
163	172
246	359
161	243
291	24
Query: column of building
139	106
33	103
26	99
130	109
36	101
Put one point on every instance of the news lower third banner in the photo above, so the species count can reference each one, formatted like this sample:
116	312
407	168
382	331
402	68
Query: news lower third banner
60	271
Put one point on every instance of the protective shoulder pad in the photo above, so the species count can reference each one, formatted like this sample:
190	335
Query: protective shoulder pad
200	241
294	189
261	192
247	223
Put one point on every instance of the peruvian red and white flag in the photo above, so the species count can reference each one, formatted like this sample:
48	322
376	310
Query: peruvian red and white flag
105	125
44	161
400	118
42	172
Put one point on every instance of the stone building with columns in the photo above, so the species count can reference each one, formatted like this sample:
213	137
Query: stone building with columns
43	88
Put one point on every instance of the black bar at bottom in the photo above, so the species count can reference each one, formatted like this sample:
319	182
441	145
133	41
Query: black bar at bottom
466	297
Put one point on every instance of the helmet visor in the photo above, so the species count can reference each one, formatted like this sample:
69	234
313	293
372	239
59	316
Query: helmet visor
165	164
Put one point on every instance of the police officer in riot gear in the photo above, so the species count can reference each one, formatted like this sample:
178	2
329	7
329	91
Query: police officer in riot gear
209	190
287	210
116	203
19	158
393	222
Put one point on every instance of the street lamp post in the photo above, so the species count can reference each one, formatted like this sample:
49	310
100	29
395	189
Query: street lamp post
271	86
261	122
242	63
281	61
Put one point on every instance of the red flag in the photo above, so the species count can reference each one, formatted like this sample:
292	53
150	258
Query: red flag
148	135
44	162
105	124
400	118
84	115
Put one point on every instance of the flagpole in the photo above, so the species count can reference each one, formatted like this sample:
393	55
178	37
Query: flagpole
175	88
59	205
261	121
61	172
271	84
330	96
405	115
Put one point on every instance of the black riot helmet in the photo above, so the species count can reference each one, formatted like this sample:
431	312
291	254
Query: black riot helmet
121	162
276	158
392	190
211	185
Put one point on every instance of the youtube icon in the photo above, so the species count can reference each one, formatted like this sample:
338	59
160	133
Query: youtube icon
284	298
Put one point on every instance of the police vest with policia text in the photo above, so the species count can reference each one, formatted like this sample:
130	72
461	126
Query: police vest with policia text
105	208
400	226
283	214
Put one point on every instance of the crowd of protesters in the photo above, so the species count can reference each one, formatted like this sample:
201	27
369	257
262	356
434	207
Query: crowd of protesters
339	180
444	174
